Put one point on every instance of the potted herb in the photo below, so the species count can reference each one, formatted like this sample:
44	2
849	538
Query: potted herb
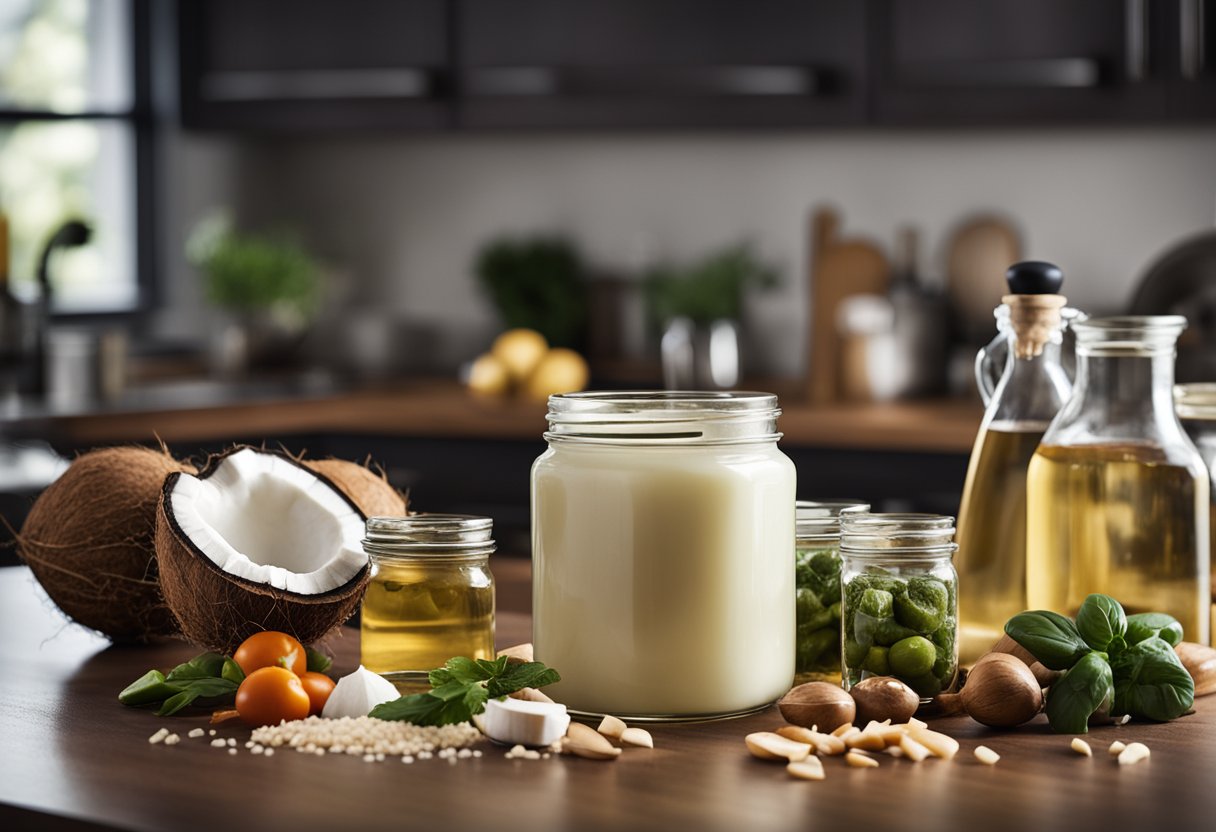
698	307
268	285
537	283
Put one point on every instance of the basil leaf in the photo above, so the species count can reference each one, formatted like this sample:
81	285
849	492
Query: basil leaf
206	666
176	702
526	675
1050	637
1151	682
427	709
210	687
1100	621
232	672
147	690
1078	694
1146	625
464	670
318	662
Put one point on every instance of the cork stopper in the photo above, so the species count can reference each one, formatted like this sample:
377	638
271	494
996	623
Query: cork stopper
1035	319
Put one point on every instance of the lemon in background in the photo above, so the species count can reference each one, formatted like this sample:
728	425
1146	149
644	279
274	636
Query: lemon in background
520	351
559	371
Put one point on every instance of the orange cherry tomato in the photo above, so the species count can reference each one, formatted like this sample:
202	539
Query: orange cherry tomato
271	649
269	695
319	687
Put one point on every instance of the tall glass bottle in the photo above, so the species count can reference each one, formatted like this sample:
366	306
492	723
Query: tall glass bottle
1117	494
1023	385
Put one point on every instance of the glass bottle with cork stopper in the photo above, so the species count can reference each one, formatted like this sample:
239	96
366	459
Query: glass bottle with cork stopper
1024	385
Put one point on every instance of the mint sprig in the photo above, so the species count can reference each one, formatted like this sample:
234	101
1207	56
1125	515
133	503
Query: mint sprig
461	688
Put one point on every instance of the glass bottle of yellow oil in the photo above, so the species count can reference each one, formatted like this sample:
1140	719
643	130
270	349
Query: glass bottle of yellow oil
1023	385
431	594
1117	494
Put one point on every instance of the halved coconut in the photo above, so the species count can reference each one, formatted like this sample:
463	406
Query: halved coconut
257	541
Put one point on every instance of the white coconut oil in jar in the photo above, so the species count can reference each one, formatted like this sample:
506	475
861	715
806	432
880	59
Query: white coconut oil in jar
662	526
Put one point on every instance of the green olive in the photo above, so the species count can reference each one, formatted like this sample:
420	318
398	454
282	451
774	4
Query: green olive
876	661
912	657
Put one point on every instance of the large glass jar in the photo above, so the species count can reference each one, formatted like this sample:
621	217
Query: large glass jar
662	527
431	594
1116	494
817	578
1196	407
899	615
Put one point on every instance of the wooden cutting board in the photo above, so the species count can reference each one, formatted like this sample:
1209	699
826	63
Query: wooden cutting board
839	267
978	252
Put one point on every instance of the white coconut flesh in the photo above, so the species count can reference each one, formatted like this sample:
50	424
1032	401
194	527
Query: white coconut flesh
262	518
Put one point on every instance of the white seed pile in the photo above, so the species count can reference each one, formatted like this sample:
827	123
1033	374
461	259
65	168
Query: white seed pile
372	739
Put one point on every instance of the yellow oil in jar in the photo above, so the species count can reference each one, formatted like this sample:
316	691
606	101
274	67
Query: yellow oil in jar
991	558
418	614
1121	520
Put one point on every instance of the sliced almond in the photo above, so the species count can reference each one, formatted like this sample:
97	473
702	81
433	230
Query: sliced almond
809	769
612	727
939	744
583	741
986	755
892	734
1134	753
799	734
916	723
769	746
912	749
1081	747
893	751
1116	748
846	730
830	746
531	695
859	760
866	740
637	737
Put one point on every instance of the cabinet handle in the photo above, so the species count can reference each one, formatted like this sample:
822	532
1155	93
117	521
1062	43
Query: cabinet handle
1038	73
1193	22
1137	39
315	84
746	81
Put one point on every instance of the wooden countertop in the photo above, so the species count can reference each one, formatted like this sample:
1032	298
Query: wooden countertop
444	409
74	758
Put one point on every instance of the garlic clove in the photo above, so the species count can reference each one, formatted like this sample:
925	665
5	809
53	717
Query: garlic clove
519	721
357	693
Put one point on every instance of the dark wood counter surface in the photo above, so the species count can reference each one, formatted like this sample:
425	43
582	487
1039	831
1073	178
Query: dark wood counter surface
72	757
444	409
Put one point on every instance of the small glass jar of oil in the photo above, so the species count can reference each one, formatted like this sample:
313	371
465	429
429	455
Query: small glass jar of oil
431	595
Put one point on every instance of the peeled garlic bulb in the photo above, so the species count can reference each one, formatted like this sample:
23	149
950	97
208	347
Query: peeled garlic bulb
356	694
520	722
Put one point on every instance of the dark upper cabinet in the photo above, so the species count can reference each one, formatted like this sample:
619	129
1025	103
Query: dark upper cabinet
314	64
1190	59
1013	61
660	63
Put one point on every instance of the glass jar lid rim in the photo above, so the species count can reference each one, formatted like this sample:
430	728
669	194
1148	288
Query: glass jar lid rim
1149	324
815	518
423	530
655	404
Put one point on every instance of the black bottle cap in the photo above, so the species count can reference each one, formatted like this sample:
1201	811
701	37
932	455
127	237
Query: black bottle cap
1034	277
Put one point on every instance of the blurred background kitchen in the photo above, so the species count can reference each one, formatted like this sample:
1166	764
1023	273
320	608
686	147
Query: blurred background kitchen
303	221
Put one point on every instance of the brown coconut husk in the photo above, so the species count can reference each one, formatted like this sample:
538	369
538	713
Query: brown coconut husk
89	541
367	485
218	611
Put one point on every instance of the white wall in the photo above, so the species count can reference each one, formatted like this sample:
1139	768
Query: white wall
404	215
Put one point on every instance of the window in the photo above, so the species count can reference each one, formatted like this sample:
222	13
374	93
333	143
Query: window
70	134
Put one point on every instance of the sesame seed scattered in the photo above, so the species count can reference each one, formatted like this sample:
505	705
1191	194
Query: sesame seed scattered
231	750
219	744
211	732
196	733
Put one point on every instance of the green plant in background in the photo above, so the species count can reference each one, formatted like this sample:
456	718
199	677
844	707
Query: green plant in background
248	273
538	283
708	289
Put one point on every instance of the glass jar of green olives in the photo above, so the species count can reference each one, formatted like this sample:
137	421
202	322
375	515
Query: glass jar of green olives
817	576
899	612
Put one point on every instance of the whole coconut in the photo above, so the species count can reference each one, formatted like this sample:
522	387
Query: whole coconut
89	541
367	489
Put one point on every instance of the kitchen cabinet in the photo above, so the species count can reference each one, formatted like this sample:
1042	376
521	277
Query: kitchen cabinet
1019	61
314	64
1190	59
660	63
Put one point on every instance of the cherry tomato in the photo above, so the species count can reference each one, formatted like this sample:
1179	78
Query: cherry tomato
269	695
319	687
271	649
